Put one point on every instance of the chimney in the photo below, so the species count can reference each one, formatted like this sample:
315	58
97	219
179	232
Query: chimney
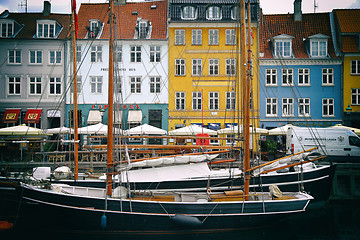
297	10
47	8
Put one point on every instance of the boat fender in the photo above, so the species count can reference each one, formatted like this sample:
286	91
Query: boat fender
184	220
103	221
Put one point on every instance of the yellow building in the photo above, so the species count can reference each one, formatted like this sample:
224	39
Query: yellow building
348	30
204	60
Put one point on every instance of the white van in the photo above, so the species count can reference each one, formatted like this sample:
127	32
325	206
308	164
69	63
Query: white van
338	144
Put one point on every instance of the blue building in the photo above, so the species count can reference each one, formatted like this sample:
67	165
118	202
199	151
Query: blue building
300	74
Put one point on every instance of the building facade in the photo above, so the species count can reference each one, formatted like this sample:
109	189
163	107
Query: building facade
32	74
204	63
140	62
301	76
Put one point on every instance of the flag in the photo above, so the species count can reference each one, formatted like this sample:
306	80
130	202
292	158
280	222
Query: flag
75	17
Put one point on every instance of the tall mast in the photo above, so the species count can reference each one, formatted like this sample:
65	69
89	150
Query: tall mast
246	122
76	140
110	140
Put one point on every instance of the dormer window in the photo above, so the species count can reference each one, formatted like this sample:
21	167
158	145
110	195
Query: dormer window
7	28
143	29
318	45
189	13
283	46
47	28
235	13
213	13
94	28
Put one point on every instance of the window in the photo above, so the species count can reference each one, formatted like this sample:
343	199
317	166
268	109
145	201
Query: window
55	85
179	37
96	54
179	67
180	100
213	13
78	53
196	36
235	13
135	84
79	84
197	100
213	36
14	84
328	107
118	84
96	84
94	28
143	28
230	36
45	29
14	56
189	13
327	76
55	57
287	77
7	29
287	107
135	54
197	67
230	100
355	96
215	141
155	53
213	66
318	48
355	66
282	48
155	84
35	57
35	85
271	77
304	77
271	107
118	54
230	65
304	107
213	100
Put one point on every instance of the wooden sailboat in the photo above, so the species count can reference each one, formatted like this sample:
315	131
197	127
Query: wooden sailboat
121	210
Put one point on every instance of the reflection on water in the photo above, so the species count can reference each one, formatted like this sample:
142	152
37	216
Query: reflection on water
340	220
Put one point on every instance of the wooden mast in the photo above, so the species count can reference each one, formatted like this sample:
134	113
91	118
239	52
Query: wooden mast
110	139
75	92
246	106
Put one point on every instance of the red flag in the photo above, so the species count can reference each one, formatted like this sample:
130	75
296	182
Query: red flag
75	16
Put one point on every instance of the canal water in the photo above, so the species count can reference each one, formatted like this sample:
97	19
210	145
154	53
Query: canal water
336	220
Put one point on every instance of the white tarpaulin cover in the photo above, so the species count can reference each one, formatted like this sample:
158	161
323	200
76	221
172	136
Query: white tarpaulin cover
191	130
60	130
235	130
21	130
145	129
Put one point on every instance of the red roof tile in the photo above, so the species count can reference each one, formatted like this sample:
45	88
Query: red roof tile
126	21
350	44
348	20
311	24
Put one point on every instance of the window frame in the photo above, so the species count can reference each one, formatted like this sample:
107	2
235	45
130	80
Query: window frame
214	100
271	74
96	54
305	73
287	107
135	84
355	67
230	36
96	84
318	51
36	57
53	60
135	54
46	28
55	86
118	53
188	15
180	100
214	66
196	37
16	85
8	25
230	100
327	76
155	53
155	84
330	107
287	77
213	15
271	105
230	66
35	87
355	95
196	101
180	67
302	104
213	37
180	37
17	56
280	48
196	67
